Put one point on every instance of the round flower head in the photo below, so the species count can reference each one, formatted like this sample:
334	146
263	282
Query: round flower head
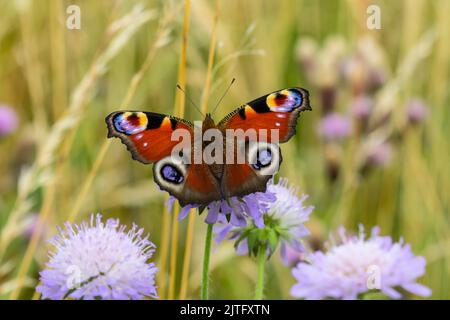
361	107
379	155
8	120
334	127
359	265
99	260
416	111
283	222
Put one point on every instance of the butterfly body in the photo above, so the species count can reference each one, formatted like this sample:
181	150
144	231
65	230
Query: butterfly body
238	165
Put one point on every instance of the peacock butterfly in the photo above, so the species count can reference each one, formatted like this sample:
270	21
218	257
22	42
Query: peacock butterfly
150	139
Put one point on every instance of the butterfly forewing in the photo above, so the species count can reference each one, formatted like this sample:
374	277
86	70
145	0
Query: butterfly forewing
148	136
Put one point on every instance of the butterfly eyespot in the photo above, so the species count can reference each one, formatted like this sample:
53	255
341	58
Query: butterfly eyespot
284	100
130	122
171	174
263	159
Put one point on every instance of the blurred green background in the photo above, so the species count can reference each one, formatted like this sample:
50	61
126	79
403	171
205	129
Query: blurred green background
384	161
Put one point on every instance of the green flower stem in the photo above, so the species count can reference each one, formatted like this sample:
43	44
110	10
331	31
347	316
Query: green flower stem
259	292
206	257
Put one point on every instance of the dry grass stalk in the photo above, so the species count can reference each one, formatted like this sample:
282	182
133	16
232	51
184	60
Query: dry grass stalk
41	173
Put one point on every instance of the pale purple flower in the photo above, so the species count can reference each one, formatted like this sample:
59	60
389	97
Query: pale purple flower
289	213
358	265
8	120
235	209
285	217
251	206
361	107
291	256
380	155
417	111
98	260
334	127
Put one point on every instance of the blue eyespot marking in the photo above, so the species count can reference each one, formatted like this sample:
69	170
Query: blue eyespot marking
171	174
284	100
130	122
264	158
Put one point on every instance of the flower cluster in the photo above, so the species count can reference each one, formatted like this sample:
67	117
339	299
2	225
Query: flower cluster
236	210
358	265
283	223
334	127
350	83
99	260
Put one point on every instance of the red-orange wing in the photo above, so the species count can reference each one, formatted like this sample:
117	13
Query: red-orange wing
201	186
278	110
147	135
273	114
240	179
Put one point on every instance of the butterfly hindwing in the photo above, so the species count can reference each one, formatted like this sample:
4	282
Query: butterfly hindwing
262	161
189	183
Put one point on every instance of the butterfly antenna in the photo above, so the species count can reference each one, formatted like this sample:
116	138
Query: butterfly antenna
190	100
224	94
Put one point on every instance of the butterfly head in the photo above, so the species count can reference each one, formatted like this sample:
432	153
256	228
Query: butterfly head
208	123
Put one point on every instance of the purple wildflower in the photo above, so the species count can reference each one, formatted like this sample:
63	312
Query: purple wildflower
357	266
334	127
99	260
361	107
8	120
291	256
235	209
285	218
380	155
252	206
417	111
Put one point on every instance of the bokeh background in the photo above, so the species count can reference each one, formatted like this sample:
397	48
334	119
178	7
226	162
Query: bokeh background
374	150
